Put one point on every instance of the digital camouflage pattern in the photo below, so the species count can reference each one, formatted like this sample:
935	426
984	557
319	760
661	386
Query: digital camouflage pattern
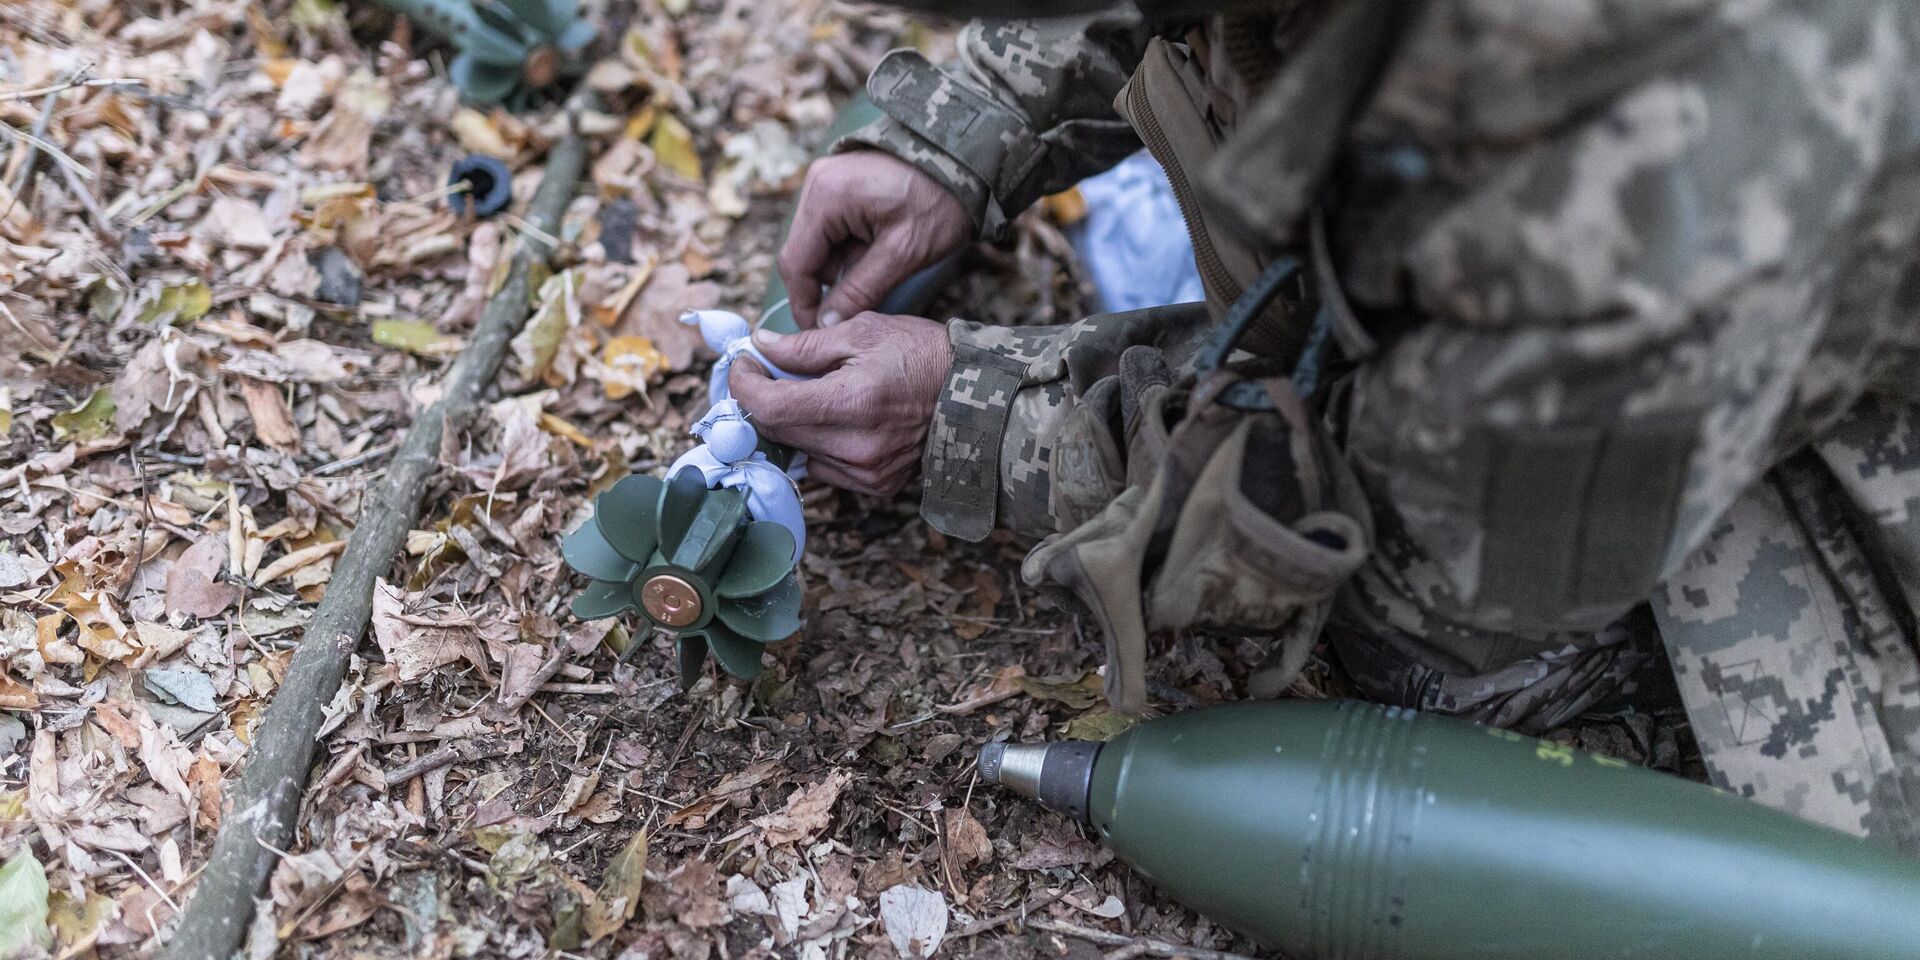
1620	259
1793	642
1028	110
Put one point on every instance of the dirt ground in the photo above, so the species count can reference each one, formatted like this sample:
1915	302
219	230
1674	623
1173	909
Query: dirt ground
229	279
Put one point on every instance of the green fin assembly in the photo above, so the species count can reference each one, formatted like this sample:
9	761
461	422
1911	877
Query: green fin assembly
508	48
695	566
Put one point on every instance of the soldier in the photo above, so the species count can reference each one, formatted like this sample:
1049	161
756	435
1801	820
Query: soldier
1606	318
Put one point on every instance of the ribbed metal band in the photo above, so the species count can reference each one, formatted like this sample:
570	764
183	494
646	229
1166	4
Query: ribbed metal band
1353	876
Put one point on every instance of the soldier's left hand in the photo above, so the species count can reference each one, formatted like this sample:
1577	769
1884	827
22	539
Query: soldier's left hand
863	420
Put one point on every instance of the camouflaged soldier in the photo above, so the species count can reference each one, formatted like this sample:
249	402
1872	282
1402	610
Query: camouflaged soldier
1613	310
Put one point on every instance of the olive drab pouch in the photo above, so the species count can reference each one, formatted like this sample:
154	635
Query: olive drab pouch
1238	520
1168	101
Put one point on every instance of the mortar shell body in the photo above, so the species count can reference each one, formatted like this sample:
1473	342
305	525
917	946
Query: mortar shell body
1345	830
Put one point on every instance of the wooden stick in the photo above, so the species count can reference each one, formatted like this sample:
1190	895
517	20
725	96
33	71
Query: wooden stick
266	801
1134	946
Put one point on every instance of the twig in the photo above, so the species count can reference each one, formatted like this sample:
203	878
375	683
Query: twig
1143	946
71	84
1020	912
266	801
31	146
466	751
146	520
348	463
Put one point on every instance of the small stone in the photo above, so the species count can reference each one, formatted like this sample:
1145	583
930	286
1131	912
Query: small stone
618	220
339	276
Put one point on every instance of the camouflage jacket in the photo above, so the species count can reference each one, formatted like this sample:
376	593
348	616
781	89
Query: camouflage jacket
1614	263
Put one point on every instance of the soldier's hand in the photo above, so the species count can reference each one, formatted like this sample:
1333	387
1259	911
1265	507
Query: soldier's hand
864	420
866	221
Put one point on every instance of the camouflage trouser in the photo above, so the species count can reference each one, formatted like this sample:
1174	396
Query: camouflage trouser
1792	633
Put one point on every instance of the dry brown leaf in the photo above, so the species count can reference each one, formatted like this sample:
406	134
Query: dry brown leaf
1048	854
477	134
655	314
808	811
415	646
166	760
619	894
237	223
966	839
272	418
191	588
15	695
734	788
299	559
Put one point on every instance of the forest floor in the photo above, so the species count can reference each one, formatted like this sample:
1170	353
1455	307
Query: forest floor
228	281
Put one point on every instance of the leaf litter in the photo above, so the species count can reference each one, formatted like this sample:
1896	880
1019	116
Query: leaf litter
223	300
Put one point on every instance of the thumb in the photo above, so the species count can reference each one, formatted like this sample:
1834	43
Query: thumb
808	353
865	283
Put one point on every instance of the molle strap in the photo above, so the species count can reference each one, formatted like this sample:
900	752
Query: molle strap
985	136
961	468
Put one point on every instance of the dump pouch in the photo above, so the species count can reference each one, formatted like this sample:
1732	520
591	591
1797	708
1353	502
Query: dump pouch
1233	519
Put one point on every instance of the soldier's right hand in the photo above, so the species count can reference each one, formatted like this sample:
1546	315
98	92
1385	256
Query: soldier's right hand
866	221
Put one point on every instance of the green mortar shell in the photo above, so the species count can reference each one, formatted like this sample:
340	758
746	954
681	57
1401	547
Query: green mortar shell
496	38
1339	829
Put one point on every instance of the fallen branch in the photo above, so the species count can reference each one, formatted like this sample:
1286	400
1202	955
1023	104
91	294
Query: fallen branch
465	751
266	801
1133	946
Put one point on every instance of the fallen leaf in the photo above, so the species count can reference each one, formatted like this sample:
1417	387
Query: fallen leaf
91	420
188	688
415	646
191	588
1078	694
272	418
631	361
77	921
559	311
177	303
619	894
808	811
233	222
655	313
915	918
15	695
477	134
23	905
1098	725
672	145
966	839
415	336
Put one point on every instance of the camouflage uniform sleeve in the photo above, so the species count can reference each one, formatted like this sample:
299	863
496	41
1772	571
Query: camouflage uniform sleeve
988	460
1025	110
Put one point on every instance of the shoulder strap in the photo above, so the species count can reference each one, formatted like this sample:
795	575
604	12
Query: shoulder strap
1290	137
